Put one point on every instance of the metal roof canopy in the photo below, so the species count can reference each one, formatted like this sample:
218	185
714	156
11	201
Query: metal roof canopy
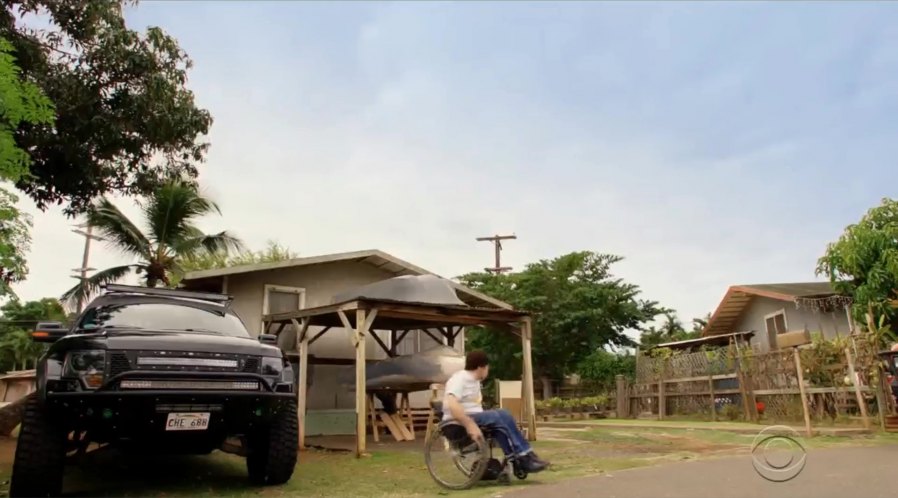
715	340
361	316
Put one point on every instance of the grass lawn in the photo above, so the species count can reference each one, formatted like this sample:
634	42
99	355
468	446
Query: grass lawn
399	471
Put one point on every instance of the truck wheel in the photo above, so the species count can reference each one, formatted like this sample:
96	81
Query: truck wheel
40	454
271	451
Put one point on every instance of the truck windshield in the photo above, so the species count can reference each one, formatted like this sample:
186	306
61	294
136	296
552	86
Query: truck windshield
163	316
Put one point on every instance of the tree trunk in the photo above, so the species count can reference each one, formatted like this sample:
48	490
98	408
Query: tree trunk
547	387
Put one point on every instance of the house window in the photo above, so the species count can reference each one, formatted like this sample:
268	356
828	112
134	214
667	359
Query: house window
279	299
776	324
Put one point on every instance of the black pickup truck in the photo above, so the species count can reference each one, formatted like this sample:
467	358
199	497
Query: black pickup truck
157	370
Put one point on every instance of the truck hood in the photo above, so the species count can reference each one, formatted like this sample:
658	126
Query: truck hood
120	339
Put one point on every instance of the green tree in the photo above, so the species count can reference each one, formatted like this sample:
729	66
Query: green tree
171	236
46	309
21	104
603	366
125	121
17	320
671	330
15	240
699	324
578	307
863	263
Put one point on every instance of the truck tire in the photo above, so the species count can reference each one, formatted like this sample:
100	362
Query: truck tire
271	451
40	454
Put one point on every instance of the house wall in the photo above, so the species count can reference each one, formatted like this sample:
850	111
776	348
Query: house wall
327	394
753	318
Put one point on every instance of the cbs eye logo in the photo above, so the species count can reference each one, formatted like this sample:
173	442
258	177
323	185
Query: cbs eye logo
777	453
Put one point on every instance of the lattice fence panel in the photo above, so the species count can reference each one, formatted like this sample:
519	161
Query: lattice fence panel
869	369
772	379
687	365
780	407
692	398
648	369
643	399
769	371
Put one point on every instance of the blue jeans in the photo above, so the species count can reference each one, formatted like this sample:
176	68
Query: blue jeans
515	443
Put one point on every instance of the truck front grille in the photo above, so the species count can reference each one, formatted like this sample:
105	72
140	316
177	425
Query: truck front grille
250	365
179	361
118	363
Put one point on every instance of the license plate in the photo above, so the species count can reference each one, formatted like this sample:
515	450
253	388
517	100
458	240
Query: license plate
187	421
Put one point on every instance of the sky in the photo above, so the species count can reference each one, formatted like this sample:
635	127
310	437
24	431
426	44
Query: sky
710	144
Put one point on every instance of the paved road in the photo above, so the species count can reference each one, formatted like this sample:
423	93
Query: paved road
828	473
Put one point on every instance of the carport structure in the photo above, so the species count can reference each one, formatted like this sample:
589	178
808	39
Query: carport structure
363	315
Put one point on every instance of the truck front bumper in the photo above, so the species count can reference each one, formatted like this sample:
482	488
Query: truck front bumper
111	413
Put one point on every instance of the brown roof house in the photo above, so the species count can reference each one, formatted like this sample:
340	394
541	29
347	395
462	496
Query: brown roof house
309	282
770	310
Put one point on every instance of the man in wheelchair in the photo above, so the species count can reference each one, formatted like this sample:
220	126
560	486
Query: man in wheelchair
462	403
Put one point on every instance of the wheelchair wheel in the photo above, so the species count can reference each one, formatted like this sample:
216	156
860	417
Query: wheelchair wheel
454	460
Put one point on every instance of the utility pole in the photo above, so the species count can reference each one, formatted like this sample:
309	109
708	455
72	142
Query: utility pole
81	273
497	244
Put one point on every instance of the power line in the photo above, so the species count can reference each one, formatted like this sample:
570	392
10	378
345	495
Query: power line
497	245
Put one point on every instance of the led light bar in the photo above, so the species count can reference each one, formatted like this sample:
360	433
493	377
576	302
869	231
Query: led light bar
186	362
220	385
150	291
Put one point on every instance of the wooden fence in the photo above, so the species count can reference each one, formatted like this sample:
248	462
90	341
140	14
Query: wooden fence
823	383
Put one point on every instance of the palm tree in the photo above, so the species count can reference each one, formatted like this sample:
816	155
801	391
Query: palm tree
170	236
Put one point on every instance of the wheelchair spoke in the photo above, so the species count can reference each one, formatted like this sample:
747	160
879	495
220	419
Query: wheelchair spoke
454	464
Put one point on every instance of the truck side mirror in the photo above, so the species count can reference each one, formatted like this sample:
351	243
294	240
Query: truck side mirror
270	339
48	332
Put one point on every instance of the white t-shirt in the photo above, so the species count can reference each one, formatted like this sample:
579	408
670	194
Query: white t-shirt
466	389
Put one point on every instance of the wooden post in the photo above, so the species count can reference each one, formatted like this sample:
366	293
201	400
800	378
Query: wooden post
882	390
529	401
360	382
302	391
363	323
713	404
431	415
749	404
804	398
662	401
857	388
372	413
623	396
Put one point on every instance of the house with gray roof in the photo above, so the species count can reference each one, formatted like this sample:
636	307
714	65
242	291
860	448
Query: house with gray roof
770	310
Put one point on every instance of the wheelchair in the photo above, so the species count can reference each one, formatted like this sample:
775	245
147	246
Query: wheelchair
456	461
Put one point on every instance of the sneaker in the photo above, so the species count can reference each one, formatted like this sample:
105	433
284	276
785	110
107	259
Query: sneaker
532	465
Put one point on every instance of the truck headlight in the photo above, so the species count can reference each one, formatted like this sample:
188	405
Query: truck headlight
272	366
89	366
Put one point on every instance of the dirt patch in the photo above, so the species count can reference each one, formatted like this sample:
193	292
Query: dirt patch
647	443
